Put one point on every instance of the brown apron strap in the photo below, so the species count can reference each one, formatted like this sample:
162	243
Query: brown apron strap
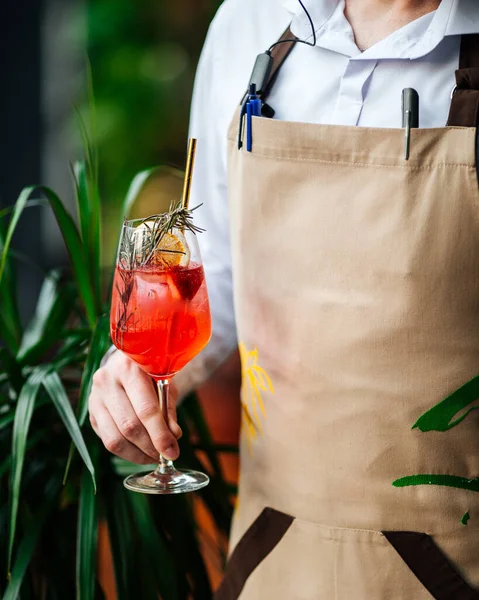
279	54
422	555
260	539
464	110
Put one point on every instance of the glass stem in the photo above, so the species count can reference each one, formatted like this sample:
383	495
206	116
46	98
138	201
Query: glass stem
165	466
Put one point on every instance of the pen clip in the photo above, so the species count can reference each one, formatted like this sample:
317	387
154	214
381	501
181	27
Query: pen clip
242	114
250	107
407	134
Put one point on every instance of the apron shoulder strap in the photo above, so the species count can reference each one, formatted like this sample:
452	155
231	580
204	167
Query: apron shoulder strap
279	54
464	110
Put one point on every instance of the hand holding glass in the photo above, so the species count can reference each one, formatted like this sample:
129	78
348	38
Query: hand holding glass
160	318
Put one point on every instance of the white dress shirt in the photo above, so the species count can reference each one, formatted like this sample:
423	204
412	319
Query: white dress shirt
331	83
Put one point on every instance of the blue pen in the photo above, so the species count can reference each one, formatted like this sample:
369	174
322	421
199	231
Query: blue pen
253	109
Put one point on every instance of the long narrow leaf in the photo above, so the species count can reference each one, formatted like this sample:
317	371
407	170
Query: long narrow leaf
89	215
9	417
154	547
98	346
57	393
119	523
6	420
17	213
76	252
10	326
12	369
82	200
21	426
72	241
33	440
29	542
87	536
53	308
30	204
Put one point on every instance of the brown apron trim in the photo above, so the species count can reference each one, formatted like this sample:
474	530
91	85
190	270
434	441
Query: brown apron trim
259	540
425	559
469	51
464	111
279	54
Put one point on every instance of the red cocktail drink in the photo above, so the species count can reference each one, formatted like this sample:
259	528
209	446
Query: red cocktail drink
160	317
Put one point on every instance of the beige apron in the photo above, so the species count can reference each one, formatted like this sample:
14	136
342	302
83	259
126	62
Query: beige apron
356	278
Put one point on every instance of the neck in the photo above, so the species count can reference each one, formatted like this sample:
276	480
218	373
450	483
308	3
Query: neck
373	20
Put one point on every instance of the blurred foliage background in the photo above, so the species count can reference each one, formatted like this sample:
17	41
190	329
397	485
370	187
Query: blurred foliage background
143	57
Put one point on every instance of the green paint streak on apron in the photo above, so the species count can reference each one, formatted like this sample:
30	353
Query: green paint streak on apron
439	417
444	480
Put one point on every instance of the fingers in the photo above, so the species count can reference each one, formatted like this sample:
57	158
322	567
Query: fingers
125	412
114	441
144	401
120	408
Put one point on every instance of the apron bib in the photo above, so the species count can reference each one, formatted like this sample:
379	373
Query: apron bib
356	278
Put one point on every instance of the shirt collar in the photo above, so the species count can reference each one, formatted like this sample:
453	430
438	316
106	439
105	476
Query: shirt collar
453	17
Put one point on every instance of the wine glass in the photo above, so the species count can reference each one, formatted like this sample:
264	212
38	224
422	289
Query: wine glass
160	318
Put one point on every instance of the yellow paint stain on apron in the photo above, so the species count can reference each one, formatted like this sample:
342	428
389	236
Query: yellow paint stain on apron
255	381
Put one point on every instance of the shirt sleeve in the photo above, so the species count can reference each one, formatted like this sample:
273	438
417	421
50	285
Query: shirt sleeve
209	189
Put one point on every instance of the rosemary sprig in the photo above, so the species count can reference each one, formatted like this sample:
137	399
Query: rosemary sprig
177	217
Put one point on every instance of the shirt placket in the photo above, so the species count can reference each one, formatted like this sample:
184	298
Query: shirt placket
353	89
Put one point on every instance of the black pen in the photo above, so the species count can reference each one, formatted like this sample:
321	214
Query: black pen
410	116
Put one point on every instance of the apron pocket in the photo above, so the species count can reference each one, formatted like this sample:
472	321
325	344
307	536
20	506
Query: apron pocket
285	558
258	541
425	559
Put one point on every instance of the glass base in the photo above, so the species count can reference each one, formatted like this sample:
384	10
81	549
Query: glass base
167	481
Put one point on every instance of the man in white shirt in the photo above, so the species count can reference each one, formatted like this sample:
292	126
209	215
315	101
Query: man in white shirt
366	52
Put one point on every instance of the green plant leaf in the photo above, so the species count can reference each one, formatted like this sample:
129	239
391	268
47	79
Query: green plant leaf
76	253
89	215
154	546
82	199
10	326
99	344
29	541
21	426
119	522
440	417
16	214
73	349
87	536
57	393
53	308
7	419
12	369
72	241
